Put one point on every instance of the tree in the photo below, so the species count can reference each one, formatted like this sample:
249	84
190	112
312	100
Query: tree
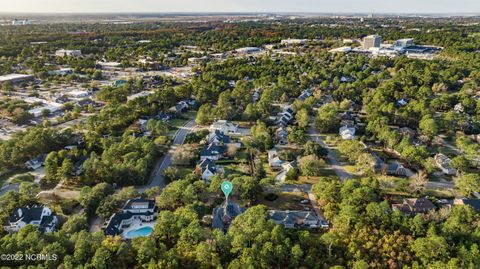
326	120
205	114
365	163
430	248
74	224
310	166
292	174
302	118
419	182
184	155
314	148
296	136
351	149
429	126
460	163
468	184
28	192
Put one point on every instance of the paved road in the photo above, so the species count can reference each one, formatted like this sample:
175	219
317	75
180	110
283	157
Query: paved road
334	163
9	187
164	162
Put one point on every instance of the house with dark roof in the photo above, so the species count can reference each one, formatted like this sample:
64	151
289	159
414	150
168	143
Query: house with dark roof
294	219
474	203
305	94
179	107
39	216
281	135
206	169
414	206
36	162
217	136
213	152
391	169
224	214
141	209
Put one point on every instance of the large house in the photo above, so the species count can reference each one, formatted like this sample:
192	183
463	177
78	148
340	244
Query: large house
224	126
39	216
474	203
68	53
217	136
294	219
134	209
274	160
224	214
206	169
213	152
414	206
443	162
36	162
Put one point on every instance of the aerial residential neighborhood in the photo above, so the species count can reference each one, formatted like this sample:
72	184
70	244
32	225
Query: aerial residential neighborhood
347	140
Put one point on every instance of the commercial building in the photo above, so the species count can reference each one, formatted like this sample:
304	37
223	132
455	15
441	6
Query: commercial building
13	78
403	43
68	53
372	41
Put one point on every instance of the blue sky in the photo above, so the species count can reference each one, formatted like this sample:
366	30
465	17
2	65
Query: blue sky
368	6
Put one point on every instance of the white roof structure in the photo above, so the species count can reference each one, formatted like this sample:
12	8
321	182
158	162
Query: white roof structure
340	50
15	77
139	95
347	133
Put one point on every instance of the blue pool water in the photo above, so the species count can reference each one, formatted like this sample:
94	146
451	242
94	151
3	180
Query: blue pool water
144	231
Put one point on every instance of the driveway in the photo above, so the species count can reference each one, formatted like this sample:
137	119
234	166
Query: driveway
314	135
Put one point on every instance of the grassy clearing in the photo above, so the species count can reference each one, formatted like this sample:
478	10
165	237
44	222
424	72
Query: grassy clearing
285	201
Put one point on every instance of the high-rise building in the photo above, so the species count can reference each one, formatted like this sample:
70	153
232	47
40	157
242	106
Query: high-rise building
372	41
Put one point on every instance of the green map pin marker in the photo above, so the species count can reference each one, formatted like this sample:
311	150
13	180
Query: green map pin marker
227	188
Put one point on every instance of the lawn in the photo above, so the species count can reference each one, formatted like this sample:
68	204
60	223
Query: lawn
285	201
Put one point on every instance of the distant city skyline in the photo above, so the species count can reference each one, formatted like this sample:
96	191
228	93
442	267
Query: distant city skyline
223	6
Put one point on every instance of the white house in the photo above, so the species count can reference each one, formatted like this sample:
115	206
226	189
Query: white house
39	216
347	133
224	126
273	159
134	209
68	53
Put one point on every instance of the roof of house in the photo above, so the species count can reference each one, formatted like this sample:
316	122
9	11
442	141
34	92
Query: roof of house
207	164
475	203
415	205
26	214
292	217
212	150
224	214
218	136
139	203
422	203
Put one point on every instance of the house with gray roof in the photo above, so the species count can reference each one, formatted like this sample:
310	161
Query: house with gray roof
224	214
294	219
39	216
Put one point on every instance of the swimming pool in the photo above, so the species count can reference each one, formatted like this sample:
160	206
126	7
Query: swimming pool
144	231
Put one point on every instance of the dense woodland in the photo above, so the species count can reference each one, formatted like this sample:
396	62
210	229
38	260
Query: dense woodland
365	231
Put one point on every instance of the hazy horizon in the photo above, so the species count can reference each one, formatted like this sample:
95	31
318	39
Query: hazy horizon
245	6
